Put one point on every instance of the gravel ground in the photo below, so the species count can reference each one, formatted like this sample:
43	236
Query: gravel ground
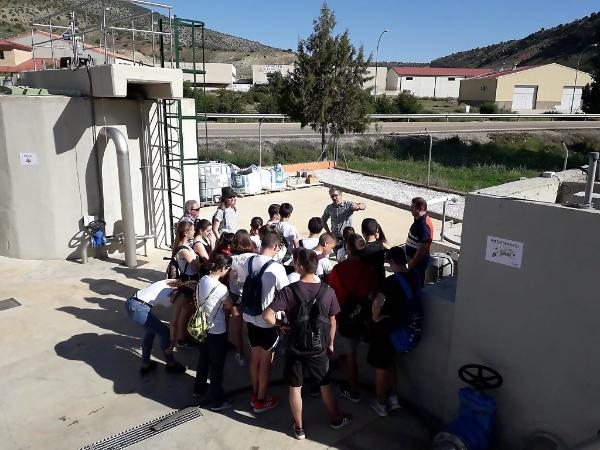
390	190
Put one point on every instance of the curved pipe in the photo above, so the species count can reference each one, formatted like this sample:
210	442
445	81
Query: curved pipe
124	191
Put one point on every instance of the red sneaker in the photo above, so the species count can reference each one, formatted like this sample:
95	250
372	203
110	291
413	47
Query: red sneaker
265	405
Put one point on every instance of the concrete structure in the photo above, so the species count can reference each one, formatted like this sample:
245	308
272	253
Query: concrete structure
547	87
59	47
381	79
62	165
261	71
109	81
218	75
434	82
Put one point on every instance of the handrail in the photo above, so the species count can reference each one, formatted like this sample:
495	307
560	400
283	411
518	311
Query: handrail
440	116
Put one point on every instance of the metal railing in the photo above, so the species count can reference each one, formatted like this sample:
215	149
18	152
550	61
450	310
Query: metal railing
409	117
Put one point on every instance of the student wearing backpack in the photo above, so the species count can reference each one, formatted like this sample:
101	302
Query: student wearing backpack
324	248
396	305
289	233
204	240
212	296
139	309
310	308
315	228
225	217
273	212
354	283
263	278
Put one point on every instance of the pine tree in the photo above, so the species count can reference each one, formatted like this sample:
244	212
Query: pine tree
325	89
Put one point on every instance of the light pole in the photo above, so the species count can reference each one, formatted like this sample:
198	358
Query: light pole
376	56
576	73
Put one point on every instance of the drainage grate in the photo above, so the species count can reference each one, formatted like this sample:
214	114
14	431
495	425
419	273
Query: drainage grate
8	303
146	430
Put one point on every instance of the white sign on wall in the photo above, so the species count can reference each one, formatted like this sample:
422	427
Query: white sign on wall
29	159
504	251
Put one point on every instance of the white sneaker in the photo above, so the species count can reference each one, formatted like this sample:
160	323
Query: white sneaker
393	403
379	408
240	360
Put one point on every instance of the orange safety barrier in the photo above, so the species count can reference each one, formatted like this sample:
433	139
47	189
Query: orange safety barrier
317	165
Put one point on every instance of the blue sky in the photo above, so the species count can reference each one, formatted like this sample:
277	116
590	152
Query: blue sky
420	30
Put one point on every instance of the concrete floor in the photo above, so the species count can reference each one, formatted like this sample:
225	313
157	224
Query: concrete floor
69	371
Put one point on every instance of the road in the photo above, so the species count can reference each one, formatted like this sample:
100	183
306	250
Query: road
250	130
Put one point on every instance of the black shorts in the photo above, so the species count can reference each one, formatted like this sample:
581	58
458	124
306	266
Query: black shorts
381	350
316	367
267	338
236	299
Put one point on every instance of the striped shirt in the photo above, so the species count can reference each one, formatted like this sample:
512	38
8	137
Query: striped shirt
420	233
341	217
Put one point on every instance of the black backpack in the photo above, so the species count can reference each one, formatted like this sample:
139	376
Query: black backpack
173	271
252	292
353	315
310	329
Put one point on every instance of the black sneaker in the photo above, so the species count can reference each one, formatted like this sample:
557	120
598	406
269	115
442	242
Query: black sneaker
220	406
188	343
145	370
344	420
350	394
176	367
298	432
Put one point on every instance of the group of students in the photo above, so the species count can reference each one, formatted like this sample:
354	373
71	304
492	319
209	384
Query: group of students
289	293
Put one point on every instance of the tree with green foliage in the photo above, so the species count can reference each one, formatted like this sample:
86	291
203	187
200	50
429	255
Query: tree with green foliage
325	89
590	97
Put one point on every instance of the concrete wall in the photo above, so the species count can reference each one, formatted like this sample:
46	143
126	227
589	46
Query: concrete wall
538	188
381	79
41	205
424	86
418	86
536	324
260	71
220	74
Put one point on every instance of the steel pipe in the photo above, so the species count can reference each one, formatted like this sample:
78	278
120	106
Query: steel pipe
591	176
125	193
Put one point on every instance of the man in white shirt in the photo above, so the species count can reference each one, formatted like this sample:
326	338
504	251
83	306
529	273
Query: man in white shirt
262	336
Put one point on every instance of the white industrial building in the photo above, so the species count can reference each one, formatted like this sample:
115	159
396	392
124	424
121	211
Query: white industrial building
434	82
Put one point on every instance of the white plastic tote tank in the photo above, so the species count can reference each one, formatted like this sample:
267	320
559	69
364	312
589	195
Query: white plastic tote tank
273	179
213	176
247	181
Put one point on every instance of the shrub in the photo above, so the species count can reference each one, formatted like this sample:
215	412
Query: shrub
406	103
488	108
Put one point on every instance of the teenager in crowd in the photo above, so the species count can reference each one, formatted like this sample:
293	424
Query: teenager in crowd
341	254
204	240
224	243
241	250
255	225
324	248
288	231
263	338
213	298
354	282
225	217
389	309
273	212
297	361
139	309
375	246
315	228
189	268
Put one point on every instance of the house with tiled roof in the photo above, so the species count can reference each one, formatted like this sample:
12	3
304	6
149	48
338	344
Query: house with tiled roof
434	82
18	58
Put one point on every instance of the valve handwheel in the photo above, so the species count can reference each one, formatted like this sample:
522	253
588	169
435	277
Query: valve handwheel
480	377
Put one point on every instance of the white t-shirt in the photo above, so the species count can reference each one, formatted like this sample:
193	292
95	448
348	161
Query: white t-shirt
158	293
295	276
185	267
310	243
227	219
210	295
273	280
324	266
289	232
256	240
238	272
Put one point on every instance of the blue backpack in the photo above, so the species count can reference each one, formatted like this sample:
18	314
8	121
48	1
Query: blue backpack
252	291
406	337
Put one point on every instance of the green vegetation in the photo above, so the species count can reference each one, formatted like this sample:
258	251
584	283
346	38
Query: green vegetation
590	98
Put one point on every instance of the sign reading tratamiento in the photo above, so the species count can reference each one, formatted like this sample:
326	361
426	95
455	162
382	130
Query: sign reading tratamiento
504	251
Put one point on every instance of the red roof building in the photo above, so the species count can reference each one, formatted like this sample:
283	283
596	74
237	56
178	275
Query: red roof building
440	71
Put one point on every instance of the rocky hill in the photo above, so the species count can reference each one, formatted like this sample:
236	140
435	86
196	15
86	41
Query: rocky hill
561	44
15	18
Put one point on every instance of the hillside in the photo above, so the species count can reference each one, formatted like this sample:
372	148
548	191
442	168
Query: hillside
220	47
560	44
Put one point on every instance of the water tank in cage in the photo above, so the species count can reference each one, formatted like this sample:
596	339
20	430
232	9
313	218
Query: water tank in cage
247	181
440	266
213	176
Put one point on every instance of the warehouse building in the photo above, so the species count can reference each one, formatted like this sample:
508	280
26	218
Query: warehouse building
433	82
549	87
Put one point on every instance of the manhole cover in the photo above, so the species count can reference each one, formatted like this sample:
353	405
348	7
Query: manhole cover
8	303
146	430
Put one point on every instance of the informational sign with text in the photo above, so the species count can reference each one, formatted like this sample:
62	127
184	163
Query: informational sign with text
29	159
504	251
